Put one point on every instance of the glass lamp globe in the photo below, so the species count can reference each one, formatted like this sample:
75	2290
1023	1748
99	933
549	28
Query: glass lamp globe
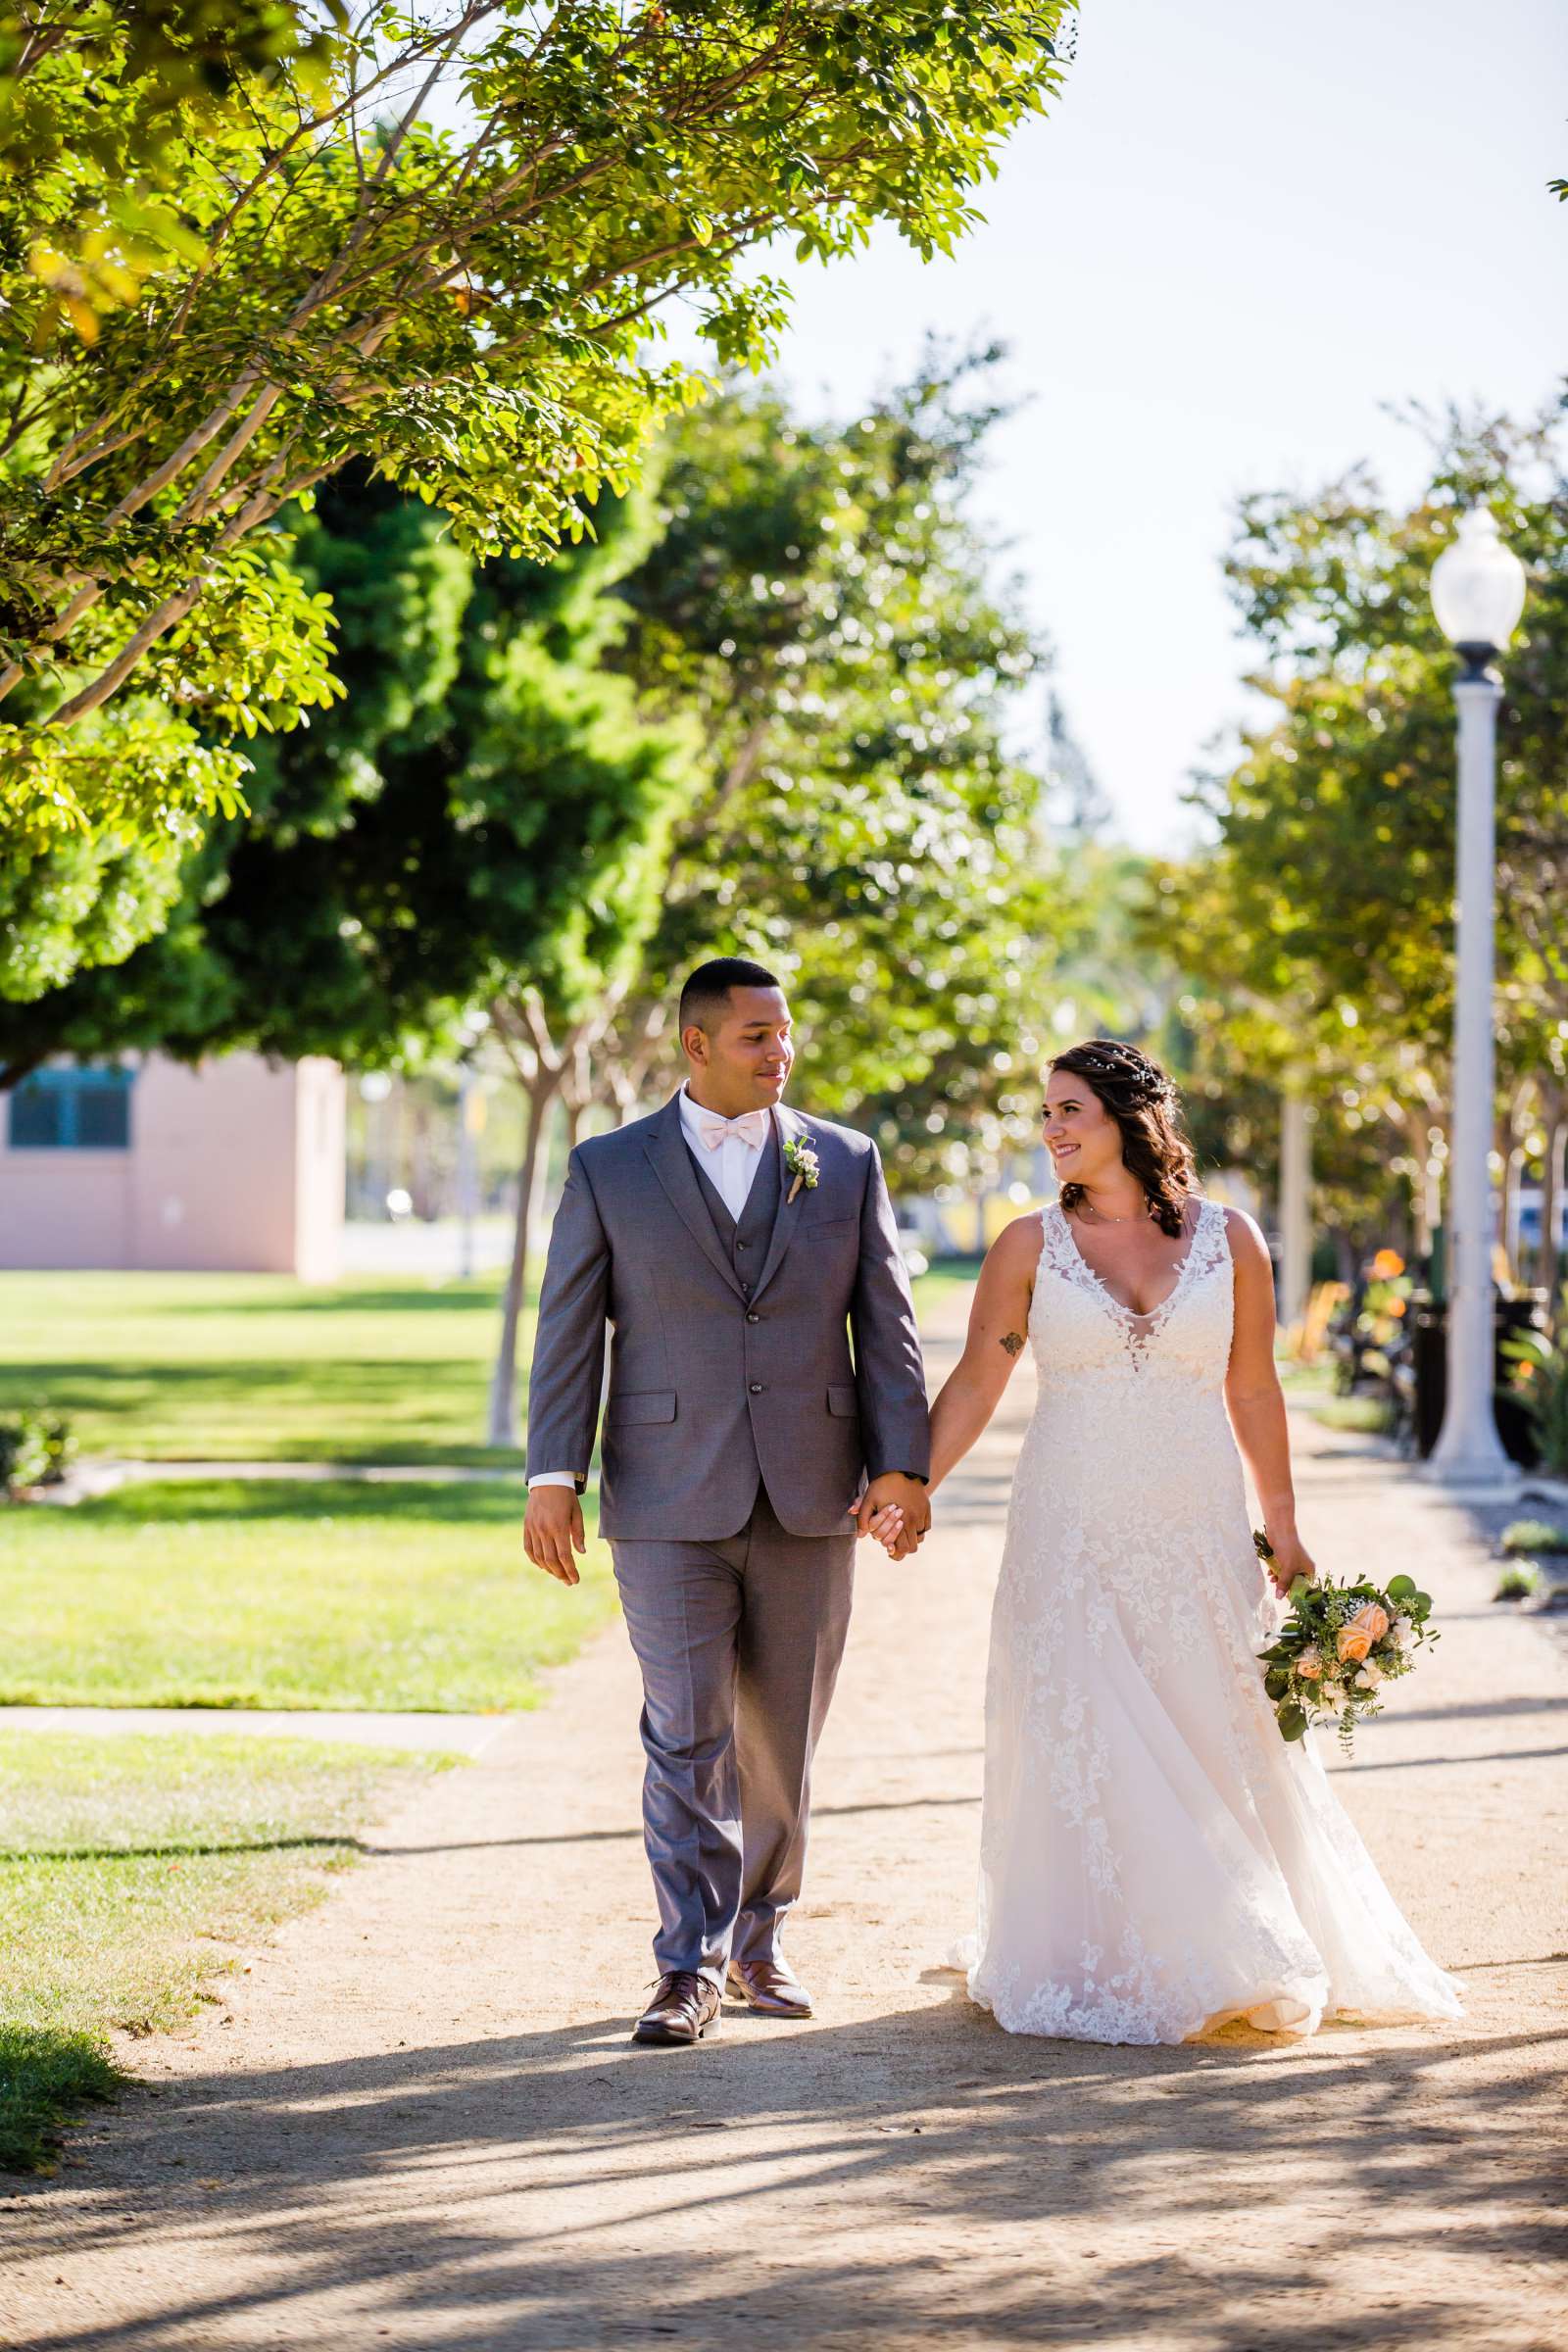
1477	587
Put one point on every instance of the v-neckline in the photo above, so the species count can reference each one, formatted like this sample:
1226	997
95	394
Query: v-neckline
1133	1314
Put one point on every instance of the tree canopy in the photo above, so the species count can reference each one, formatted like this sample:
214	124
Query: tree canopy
439	240
809	602
483	803
1322	921
819	595
1336	828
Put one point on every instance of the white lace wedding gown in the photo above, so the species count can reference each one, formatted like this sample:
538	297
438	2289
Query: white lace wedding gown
1155	1859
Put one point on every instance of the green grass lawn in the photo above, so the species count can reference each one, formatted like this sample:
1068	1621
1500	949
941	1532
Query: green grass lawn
1371	1416
285	1594
942	1284
131	1869
256	1367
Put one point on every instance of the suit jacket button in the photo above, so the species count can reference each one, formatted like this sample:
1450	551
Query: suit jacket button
754	1318
756	1388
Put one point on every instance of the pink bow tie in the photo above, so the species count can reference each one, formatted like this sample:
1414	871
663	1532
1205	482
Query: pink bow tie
751	1127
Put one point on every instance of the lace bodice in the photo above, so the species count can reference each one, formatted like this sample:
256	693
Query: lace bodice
1078	1328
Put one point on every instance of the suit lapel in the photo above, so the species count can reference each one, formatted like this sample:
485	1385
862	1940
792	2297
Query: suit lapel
787	1128
671	1164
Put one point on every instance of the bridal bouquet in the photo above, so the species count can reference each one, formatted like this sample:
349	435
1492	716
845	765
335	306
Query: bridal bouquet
1337	1646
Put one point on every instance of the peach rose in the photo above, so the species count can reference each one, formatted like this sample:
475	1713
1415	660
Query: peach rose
1372	1620
1309	1665
1353	1642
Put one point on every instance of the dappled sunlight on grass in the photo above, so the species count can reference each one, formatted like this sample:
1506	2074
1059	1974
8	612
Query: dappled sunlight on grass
130	1870
253	1366
286	1594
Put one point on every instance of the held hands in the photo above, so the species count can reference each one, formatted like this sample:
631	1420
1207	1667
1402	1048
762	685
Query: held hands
896	1511
551	1530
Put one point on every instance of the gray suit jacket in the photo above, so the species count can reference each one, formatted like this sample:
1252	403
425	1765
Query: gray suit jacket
709	1383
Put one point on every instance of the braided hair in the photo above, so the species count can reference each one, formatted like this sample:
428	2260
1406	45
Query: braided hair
1146	1107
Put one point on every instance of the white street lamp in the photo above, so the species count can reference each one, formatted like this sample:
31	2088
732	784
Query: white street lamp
1478	592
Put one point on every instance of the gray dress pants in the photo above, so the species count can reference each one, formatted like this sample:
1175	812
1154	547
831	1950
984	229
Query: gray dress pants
738	1642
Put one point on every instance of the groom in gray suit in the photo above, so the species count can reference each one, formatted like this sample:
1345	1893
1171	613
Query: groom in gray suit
734	1249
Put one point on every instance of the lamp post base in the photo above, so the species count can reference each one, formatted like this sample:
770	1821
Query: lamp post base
1489	1475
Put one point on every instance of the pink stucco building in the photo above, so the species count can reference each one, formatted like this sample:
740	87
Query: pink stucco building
235	1165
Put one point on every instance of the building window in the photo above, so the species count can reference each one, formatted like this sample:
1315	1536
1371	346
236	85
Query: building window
72	1110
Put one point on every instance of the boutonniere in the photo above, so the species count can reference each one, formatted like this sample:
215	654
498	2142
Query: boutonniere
801	1162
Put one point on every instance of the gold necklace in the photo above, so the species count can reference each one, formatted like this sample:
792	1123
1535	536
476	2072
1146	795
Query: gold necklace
1131	1217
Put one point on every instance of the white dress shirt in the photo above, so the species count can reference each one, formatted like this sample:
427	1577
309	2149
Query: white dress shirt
730	1163
729	1153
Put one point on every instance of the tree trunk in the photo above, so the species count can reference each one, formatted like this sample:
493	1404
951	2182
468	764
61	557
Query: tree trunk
1548	1264
419	1186
1435	1186
1503	1153
1420	1223
503	1428
1294	1207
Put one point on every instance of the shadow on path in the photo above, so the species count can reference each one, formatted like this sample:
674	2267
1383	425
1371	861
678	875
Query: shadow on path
929	2121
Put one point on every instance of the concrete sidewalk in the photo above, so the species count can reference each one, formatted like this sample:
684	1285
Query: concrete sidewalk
420	2123
437	1735
85	1481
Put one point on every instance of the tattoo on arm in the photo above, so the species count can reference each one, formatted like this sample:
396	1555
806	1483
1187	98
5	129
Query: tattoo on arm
1012	1340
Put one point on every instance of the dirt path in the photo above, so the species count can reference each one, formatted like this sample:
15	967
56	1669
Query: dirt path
420	2123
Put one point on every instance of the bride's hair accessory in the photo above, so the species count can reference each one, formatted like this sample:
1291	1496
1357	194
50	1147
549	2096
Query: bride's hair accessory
1336	1649
1143	1100
1143	1080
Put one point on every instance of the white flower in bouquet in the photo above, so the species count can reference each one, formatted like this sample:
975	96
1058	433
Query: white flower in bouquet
1372	1674
1405	1635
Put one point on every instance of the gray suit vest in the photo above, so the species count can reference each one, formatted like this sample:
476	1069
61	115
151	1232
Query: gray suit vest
745	1243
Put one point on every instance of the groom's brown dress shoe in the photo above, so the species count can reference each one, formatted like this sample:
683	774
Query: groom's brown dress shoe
683	2007
769	1987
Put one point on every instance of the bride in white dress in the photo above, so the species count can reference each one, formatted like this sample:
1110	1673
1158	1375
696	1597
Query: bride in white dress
1156	1860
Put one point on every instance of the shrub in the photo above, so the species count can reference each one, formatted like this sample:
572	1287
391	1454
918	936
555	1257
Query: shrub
1535	1535
37	1449
1519	1582
1541	1382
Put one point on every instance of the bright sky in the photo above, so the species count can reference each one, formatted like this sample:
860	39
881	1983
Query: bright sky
1244	229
